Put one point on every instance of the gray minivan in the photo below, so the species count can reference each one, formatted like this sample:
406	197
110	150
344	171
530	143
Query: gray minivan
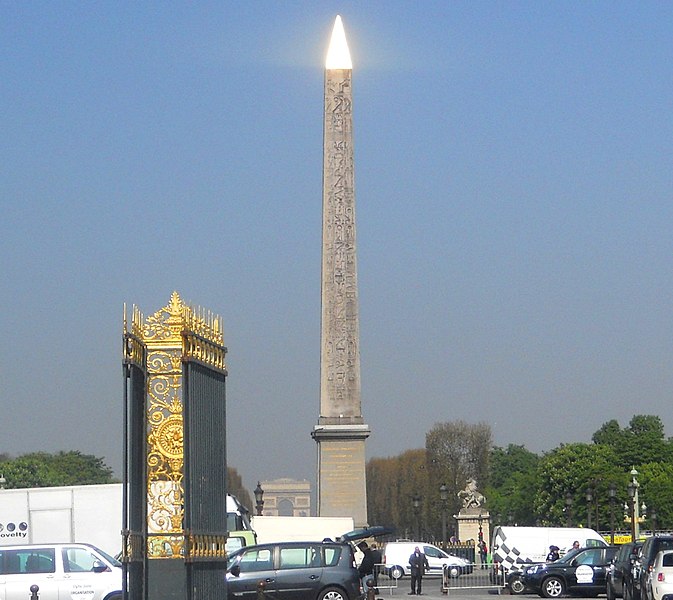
294	571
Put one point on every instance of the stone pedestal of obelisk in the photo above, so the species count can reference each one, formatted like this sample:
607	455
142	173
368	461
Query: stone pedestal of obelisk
341	431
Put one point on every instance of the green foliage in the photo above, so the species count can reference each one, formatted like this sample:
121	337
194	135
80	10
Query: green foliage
565	476
640	443
40	469
656	488
609	434
512	485
568	485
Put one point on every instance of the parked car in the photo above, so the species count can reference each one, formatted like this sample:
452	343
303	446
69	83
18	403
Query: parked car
660	580
294	571
635	587
580	572
396	559
60	571
620	569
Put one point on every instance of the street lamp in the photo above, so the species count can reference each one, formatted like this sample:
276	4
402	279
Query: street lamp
569	509
633	501
443	497
416	504
613	495
259	499
481	530
589	497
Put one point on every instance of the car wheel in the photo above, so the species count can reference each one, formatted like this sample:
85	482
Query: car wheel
516	586
453	571
332	593
553	587
397	572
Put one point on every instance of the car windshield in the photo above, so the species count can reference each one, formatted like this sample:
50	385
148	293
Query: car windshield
569	556
113	561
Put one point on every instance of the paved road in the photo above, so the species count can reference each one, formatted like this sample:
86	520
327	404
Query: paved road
434	592
432	589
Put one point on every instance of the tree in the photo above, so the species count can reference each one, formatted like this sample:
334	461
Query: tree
609	434
641	442
40	469
235	488
569	472
656	481
512	485
456	452
392	483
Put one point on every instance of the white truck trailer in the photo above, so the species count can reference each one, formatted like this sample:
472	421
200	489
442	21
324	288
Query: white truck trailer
79	513
86	513
303	529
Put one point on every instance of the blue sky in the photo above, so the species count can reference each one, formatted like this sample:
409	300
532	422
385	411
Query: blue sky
513	189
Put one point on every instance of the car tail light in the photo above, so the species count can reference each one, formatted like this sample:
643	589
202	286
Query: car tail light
661	577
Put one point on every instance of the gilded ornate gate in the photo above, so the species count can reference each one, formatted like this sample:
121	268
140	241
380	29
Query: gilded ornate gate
175	477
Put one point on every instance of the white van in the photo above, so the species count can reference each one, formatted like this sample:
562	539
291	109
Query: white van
520	545
396	559
60	571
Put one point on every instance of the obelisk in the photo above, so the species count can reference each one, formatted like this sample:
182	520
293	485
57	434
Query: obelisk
341	431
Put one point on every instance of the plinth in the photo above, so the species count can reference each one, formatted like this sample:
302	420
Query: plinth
342	487
473	524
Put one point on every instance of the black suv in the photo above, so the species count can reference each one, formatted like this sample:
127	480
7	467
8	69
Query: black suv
580	572
635	581
621	568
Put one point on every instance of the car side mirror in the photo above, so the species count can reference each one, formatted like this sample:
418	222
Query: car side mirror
235	570
98	567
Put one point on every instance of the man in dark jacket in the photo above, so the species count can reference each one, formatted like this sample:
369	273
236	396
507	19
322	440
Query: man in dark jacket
378	564
366	568
418	563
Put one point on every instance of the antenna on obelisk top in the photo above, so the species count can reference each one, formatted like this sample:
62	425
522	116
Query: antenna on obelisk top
338	55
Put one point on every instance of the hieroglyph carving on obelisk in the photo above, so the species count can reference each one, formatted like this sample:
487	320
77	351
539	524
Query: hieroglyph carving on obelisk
341	431
340	364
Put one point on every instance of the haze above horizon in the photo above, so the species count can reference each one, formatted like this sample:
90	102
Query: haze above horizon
513	191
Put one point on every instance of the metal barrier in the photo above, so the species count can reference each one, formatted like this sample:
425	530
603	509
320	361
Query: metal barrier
476	576
383	579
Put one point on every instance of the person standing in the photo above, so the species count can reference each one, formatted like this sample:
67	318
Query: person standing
483	554
553	553
366	568
378	564
418	563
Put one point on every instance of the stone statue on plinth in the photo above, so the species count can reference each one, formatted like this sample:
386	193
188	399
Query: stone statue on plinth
470	496
473	519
